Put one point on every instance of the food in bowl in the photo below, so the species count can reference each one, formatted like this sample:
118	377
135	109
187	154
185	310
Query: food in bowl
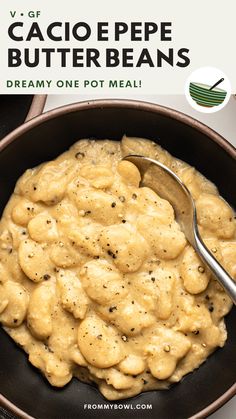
97	279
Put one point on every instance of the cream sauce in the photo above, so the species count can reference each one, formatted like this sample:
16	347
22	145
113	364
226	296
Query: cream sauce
96	279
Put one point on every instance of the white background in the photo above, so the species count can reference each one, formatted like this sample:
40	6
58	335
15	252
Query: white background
224	122
207	28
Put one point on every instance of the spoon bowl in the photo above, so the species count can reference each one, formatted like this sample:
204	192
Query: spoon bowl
169	186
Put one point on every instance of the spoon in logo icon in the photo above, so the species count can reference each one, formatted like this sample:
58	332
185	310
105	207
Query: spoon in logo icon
216	84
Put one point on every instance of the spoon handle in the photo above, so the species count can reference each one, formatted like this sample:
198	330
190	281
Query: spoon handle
216	268
216	84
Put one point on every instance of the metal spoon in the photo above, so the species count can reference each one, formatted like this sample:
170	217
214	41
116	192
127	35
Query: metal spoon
169	186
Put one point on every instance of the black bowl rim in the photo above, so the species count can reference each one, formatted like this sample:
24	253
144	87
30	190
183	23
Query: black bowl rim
120	103
127	104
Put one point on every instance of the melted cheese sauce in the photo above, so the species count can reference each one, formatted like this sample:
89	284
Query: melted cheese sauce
98	281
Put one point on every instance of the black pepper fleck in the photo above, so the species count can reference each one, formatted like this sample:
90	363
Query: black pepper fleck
99	337
79	155
113	308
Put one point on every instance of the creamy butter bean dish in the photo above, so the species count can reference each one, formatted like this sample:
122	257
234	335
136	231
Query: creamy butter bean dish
97	279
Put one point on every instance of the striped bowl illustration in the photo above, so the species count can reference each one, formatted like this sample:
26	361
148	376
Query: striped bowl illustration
201	94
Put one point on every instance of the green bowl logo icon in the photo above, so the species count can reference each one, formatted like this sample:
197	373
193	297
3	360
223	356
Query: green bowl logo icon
205	95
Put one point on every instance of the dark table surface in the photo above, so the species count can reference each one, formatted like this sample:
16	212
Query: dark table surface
13	111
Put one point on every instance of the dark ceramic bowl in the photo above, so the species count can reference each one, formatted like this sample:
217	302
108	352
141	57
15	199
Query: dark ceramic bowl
43	138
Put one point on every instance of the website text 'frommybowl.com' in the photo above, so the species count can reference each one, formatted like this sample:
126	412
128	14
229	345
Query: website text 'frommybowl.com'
117	406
